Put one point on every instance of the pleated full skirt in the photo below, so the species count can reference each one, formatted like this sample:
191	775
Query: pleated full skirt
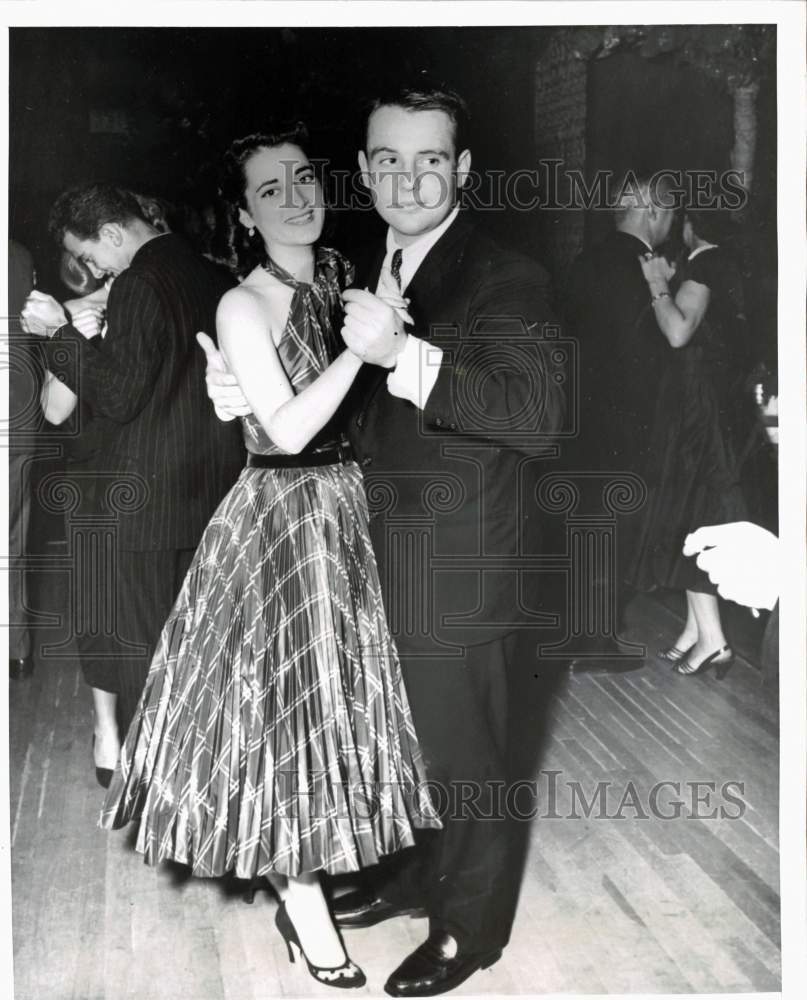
693	476
274	732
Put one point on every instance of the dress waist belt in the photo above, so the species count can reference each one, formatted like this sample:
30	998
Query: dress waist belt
331	456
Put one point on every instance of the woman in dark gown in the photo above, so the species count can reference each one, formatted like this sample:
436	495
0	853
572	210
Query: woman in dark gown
700	427
274	736
59	404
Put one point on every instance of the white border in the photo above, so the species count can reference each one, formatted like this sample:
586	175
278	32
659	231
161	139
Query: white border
790	18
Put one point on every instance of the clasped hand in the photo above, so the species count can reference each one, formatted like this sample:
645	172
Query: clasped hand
374	324
42	315
87	313
656	270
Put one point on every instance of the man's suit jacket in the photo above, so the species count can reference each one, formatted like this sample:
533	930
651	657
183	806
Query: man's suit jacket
445	484
147	377
623	353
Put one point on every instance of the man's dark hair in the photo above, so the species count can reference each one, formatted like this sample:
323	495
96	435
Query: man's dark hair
422	96
84	210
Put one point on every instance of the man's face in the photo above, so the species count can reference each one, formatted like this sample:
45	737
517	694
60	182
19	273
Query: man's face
412	168
104	255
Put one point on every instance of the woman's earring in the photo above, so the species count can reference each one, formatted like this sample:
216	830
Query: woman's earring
251	232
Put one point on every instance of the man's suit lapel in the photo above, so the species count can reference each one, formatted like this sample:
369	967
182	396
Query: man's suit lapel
427	290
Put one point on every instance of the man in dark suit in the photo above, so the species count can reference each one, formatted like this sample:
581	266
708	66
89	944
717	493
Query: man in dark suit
608	308
456	398
455	402
170	460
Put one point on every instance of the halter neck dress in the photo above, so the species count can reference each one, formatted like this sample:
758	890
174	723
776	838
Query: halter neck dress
274	732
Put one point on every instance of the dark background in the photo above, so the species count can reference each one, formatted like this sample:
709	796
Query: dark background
185	93
152	108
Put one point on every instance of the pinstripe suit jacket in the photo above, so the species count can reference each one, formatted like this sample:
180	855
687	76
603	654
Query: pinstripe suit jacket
173	458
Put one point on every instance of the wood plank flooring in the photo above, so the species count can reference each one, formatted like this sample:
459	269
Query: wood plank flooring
617	901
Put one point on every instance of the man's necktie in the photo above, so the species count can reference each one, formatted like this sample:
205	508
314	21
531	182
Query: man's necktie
395	267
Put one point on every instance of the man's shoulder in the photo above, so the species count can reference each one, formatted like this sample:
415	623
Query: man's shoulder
170	257
492	257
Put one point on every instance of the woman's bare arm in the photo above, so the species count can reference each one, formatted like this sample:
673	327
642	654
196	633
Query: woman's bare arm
291	421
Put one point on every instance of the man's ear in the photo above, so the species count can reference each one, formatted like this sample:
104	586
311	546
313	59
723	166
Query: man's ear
112	231
245	219
463	167
364	168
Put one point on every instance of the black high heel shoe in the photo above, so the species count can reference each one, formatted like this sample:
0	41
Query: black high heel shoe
347	976
672	654
721	660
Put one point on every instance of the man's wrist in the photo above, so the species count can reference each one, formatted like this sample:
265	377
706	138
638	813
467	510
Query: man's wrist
400	344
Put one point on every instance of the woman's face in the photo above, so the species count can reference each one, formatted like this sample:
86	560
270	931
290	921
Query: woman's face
283	197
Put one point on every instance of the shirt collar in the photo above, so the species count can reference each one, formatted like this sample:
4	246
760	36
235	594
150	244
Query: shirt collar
700	249
415	253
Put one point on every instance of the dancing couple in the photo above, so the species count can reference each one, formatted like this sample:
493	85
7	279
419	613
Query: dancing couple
278	706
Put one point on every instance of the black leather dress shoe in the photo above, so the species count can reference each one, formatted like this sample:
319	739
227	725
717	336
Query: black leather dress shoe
427	972
21	667
359	909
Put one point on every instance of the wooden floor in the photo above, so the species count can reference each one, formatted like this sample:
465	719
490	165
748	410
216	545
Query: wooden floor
608	904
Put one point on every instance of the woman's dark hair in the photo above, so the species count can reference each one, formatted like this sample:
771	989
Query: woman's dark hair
246	252
422	95
76	276
84	210
711	225
156	211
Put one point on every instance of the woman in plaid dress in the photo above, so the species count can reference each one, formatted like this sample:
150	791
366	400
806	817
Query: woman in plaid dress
274	735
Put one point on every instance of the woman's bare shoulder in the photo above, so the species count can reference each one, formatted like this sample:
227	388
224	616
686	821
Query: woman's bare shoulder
255	303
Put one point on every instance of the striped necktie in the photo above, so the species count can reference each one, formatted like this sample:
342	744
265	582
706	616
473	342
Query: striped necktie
395	267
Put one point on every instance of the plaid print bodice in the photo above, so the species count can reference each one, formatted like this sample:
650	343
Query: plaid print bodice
310	340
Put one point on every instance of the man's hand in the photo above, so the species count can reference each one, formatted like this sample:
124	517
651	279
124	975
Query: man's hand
741	558
374	327
222	386
88	321
42	315
657	270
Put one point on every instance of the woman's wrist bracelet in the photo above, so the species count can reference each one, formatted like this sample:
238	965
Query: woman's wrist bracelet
659	295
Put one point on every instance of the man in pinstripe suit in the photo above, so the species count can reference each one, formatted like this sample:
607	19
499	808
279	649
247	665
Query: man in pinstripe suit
171	460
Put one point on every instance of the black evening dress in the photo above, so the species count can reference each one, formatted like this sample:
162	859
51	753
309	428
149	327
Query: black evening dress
702	421
274	732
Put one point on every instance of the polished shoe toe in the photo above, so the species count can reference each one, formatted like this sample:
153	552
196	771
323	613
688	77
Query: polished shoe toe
428	971
360	909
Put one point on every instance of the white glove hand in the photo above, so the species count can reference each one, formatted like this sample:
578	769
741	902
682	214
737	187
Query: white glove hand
741	558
